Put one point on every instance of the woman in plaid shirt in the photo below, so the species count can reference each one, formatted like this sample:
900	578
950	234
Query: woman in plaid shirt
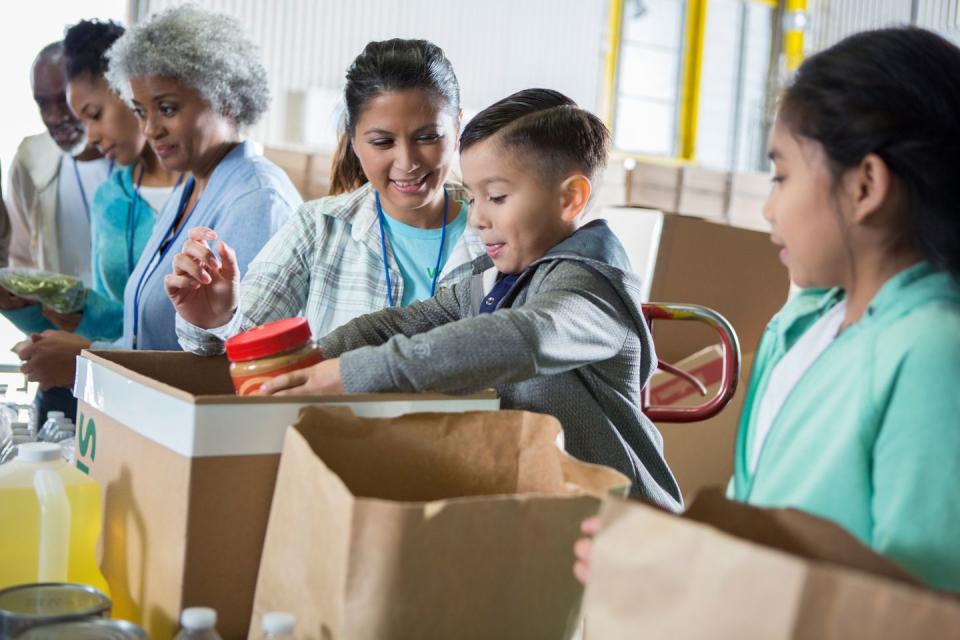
394	232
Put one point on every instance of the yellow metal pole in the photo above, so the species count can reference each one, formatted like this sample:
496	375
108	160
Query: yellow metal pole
614	32
694	32
795	20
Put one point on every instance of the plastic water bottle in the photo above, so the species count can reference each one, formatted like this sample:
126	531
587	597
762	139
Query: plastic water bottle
21	428
6	437
277	625
51	520
17	434
8	412
66	438
51	426
9	451
198	623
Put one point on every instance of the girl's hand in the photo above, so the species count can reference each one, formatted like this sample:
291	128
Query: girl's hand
51	359
583	549
204	287
65	321
321	379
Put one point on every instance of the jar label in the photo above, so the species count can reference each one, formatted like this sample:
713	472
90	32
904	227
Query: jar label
250	385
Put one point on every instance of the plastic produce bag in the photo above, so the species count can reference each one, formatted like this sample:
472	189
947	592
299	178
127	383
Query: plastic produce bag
62	293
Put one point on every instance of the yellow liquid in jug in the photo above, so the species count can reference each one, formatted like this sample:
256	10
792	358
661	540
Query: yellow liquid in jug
20	535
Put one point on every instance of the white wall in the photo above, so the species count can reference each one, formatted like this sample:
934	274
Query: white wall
496	46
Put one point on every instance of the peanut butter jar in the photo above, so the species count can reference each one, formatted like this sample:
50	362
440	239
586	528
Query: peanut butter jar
261	354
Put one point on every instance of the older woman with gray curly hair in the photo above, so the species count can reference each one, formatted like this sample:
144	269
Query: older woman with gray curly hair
195	81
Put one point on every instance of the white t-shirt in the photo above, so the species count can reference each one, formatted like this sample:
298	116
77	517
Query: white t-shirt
790	369
73	213
156	197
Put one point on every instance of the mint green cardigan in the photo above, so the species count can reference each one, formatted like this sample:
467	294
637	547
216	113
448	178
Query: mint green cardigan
870	435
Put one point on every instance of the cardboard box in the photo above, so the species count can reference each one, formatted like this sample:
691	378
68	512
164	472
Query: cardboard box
681	259
610	188
700	454
655	186
187	471
729	570
427	526
703	193
748	195
308	169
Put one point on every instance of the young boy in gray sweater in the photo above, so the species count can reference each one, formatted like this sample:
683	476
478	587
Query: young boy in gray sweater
554	324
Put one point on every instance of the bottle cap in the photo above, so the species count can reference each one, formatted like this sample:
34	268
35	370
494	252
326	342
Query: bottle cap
38	452
269	340
278	622
198	618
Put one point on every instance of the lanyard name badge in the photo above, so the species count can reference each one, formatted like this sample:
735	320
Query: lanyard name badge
83	192
162	250
383	246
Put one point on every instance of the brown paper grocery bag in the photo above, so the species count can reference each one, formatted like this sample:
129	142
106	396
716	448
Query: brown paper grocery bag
427	526
728	570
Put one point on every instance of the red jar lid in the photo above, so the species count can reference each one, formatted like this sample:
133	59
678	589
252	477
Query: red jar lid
269	340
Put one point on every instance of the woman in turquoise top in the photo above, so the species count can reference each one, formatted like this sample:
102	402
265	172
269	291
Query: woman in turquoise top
120	231
853	407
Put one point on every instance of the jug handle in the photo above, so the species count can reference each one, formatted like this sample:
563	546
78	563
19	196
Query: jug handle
55	518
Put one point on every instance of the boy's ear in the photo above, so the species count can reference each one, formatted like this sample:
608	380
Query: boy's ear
575	193
870	185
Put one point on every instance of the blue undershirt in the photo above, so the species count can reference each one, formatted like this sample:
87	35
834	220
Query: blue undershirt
415	251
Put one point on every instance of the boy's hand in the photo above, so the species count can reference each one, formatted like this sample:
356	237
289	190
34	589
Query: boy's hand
321	379
583	549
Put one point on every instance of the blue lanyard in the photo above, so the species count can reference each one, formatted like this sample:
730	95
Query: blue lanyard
132	210
131	217
162	251
83	192
383	246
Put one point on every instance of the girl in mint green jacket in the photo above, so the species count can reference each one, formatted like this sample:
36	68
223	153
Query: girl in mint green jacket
853	408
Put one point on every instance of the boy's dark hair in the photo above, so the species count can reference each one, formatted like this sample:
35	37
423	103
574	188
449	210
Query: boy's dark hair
84	46
388	65
554	133
895	93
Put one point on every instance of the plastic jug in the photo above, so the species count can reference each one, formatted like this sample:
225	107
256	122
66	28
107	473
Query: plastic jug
51	520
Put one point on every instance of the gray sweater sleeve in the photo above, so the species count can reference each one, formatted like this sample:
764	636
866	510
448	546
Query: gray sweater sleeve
573	318
377	328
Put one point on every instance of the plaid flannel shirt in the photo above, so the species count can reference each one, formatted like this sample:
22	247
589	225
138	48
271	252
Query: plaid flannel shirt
325	264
